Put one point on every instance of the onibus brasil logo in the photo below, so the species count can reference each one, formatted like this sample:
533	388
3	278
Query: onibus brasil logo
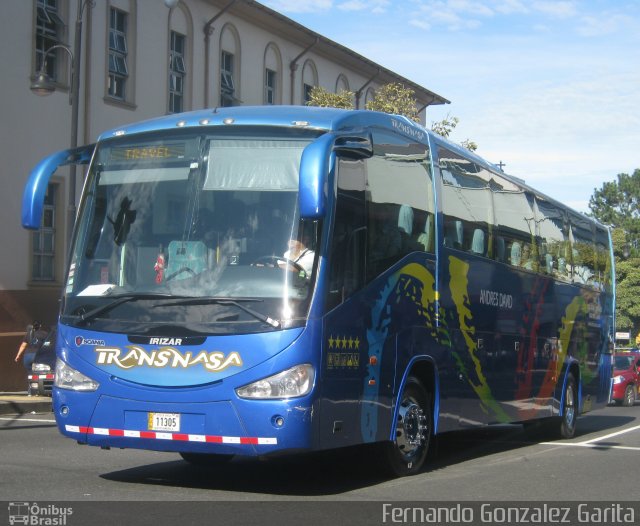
33	514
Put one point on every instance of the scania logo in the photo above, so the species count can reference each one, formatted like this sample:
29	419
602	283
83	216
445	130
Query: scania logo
81	340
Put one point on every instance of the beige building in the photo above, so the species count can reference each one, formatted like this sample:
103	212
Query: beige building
138	59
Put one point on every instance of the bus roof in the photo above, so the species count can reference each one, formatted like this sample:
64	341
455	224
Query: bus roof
288	116
312	117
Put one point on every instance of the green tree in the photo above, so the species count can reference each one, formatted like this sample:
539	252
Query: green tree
445	126
627	283
325	99
395	98
391	98
616	204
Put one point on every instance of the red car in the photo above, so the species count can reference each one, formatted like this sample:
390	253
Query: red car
626	377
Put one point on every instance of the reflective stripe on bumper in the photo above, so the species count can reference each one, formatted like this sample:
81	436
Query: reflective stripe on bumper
155	435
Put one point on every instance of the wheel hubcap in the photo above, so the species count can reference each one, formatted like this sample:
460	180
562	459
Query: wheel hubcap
570	408
411	428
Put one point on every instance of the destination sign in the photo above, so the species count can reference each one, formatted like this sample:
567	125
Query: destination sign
154	152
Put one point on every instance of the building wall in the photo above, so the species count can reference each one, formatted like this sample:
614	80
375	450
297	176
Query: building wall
33	126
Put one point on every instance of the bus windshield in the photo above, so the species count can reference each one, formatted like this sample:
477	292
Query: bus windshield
198	231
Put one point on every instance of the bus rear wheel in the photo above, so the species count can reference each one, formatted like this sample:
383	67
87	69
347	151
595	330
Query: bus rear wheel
569	416
205	459
406	453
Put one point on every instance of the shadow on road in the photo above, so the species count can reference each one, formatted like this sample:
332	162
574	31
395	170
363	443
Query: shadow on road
335	472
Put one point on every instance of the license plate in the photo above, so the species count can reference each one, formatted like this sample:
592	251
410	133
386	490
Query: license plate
164	422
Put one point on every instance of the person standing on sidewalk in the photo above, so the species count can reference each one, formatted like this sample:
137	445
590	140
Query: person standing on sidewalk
33	339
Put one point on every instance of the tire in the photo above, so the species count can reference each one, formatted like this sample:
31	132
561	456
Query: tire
569	416
406	454
205	459
629	396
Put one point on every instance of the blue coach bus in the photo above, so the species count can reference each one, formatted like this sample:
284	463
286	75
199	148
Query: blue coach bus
251	281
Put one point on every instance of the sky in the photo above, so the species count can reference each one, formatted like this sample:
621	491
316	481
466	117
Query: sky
550	88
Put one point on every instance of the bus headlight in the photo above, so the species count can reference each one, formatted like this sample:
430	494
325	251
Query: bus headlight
291	383
68	378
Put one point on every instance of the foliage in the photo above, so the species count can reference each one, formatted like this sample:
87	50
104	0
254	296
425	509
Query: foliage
469	145
391	98
627	286
395	98
325	99
446	126
616	204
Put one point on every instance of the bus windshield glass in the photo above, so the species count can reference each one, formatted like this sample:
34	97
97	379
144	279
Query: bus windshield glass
197	231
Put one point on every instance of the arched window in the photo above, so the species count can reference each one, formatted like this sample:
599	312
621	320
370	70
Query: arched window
342	83
229	66
309	80
272	75
50	30
369	96
121	46
180	59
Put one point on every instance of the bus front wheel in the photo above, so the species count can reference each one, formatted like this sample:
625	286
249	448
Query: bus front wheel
406	453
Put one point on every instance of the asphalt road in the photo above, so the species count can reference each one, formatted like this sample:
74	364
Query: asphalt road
493	464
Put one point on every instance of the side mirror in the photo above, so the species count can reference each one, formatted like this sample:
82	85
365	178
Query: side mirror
36	187
317	161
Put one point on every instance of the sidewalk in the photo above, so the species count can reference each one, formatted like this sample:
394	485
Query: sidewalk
19	403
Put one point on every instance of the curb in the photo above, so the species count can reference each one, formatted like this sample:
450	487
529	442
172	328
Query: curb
20	407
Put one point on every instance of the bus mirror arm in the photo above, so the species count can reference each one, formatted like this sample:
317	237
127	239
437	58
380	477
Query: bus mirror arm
36	187
318	159
354	147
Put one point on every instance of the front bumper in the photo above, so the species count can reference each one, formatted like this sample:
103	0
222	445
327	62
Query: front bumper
226	427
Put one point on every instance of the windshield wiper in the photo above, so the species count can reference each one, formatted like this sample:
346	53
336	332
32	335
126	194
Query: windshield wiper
119	300
225	301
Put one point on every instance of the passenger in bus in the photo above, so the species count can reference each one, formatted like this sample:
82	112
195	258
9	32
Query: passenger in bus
300	254
526	260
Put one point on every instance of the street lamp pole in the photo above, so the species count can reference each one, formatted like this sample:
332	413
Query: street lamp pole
43	85
75	105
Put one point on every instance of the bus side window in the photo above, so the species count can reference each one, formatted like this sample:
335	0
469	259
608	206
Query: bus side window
348	242
500	249
399	198
477	243
583	251
454	233
516	254
552	231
